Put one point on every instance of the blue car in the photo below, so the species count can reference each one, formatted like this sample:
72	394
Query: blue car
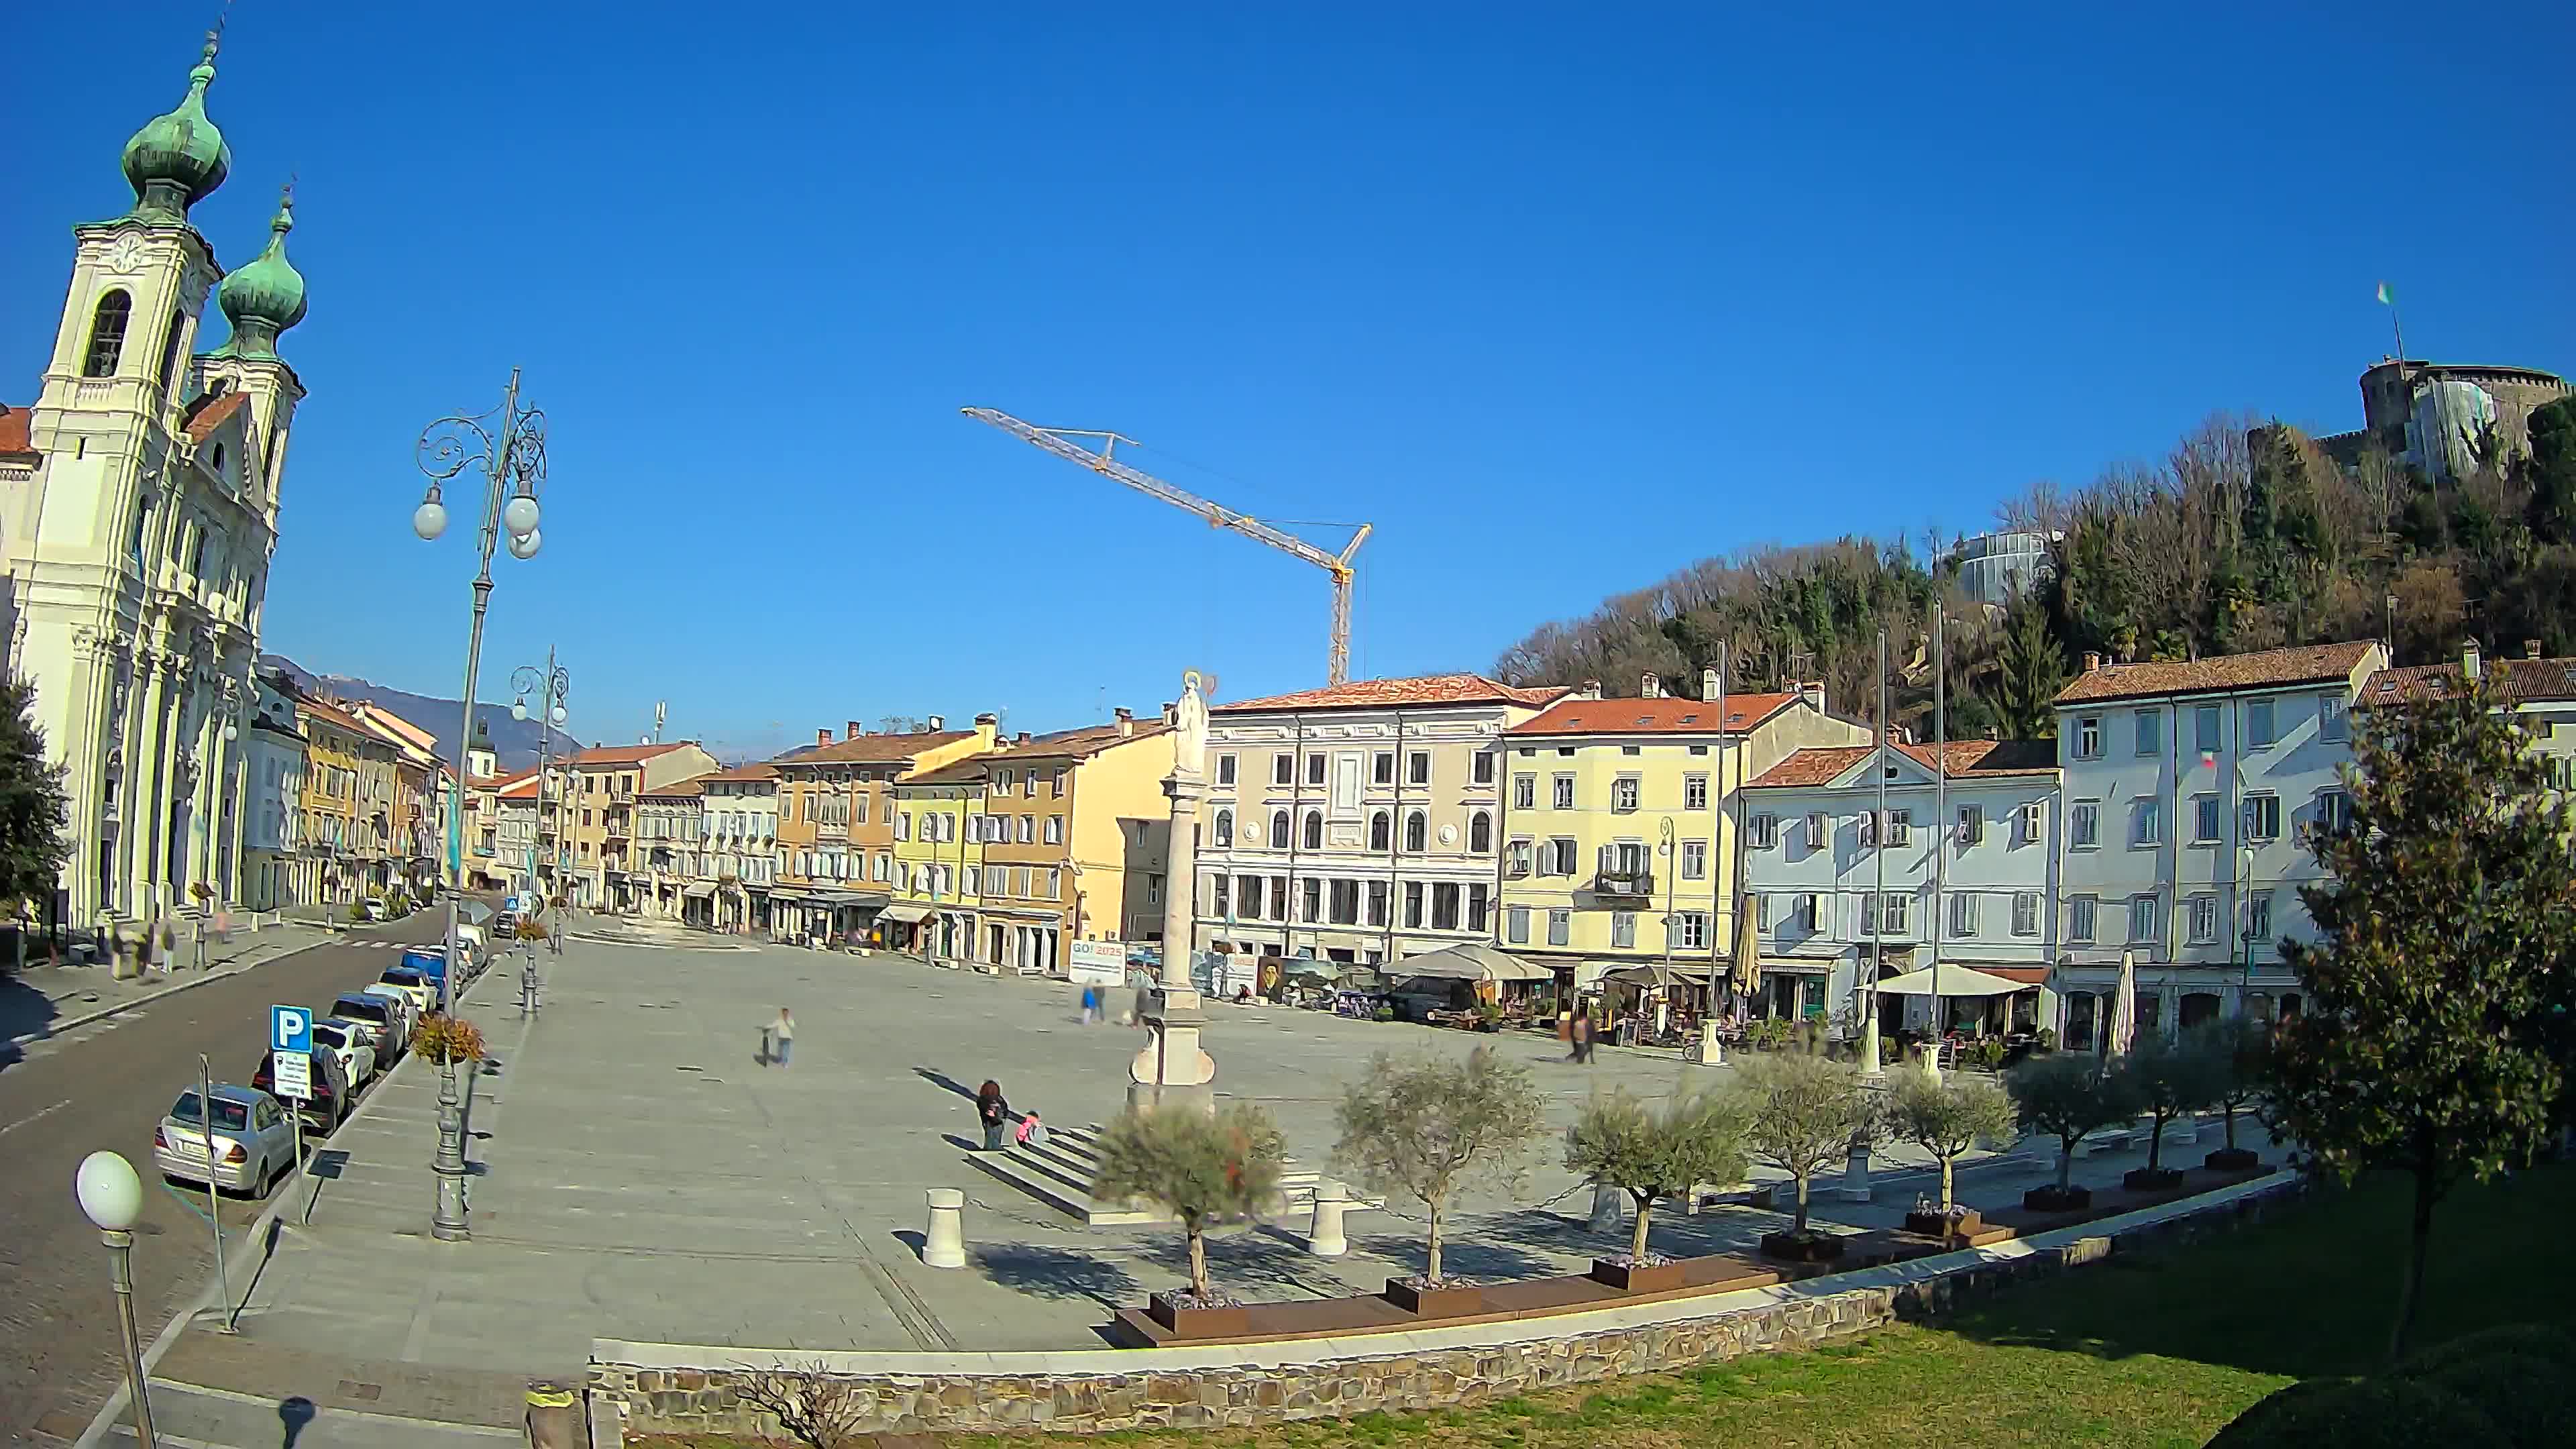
431	964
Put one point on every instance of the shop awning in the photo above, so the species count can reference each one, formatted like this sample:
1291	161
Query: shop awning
1470	962
699	892
1657	975
1955	981
910	915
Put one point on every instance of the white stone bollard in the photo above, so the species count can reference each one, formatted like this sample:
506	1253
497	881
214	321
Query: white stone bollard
1325	1239
1856	1175
2184	1129
944	1244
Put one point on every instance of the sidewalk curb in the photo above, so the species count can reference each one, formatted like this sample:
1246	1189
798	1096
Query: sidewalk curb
57	1028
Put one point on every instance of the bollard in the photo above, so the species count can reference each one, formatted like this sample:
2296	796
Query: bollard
1325	1238
554	1417
1609	1208
943	1245
2184	1129
1856	1174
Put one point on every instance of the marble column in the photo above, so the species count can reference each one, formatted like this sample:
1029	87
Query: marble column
1173	1069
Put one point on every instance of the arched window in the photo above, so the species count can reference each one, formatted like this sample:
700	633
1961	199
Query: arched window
1314	830
1278	830
1417	830
1381	831
1480	834
107	334
170	348
1225	827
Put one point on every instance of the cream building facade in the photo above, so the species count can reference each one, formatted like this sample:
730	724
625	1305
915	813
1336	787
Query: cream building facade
138	540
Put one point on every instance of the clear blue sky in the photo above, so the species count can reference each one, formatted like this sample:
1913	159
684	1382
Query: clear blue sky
1559	297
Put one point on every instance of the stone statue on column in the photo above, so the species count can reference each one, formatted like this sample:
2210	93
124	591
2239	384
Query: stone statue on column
1172	1070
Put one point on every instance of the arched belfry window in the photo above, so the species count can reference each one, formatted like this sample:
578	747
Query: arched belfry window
107	334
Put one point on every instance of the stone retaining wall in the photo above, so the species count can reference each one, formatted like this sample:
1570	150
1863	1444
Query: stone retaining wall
1159	1393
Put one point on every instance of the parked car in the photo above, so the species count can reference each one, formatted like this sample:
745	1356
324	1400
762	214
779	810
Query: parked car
354	1043
505	926
418	988
429	961
474	947
330	1100
376	908
253	1143
386	1014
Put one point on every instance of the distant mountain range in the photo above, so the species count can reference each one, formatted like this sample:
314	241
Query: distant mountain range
514	741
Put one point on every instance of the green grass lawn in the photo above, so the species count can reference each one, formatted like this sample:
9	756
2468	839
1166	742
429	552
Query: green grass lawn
2143	1349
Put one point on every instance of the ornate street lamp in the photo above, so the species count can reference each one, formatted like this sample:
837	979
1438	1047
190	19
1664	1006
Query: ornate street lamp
551	685
111	1196
509	448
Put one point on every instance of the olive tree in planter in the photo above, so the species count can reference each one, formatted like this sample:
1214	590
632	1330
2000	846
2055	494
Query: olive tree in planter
1802	1113
2166	1077
2065	1095
1946	1116
1201	1167
1647	1152
1427	1128
2239	1051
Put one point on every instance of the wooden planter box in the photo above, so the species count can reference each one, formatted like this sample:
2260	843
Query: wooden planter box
2151	1179
1450	1300
1814	1248
1662	1277
2233	1159
1938	1225
2050	1200
1198	1322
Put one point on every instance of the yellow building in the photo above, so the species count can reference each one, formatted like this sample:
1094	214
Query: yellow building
938	860
835	842
1619	823
344	761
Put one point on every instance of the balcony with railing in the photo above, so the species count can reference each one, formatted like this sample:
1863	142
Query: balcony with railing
1624	872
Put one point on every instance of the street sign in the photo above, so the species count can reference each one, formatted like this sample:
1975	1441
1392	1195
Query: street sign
510	903
293	1075
290	1029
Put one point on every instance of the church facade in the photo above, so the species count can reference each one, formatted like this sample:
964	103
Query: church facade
139	527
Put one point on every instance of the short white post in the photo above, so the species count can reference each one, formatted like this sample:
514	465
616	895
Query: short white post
1856	1174
943	1245
1609	1207
2184	1129
1325	1238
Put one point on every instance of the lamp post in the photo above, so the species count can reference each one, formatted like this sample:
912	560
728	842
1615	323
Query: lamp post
551	685
509	447
111	1196
2245	928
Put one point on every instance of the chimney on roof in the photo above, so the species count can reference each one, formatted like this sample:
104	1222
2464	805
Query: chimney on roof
1171	715
935	723
1650	686
2092	661
988	726
1126	722
2469	660
1590	689
851	730
2530	648
822	736
1708	685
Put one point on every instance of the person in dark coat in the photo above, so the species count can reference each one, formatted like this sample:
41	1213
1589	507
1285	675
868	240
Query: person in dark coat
994	1112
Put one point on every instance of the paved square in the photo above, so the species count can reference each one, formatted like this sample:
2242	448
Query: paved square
639	1175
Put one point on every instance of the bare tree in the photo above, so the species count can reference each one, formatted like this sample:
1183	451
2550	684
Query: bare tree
818	1410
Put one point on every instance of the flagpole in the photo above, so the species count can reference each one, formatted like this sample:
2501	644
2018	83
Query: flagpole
1877	911
1940	824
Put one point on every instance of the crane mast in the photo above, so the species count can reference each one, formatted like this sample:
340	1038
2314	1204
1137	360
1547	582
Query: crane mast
1059	441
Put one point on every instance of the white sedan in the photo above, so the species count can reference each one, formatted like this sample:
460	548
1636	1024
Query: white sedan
353	1044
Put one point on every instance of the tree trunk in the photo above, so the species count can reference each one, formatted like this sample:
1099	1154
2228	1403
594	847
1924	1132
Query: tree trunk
1946	1181
1433	1272
1637	1239
1800	1226
2227	1122
2065	1162
2156	1143
2419	1244
1198	1261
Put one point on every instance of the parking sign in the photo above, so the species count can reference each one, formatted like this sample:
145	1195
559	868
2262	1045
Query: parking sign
293	1075
290	1029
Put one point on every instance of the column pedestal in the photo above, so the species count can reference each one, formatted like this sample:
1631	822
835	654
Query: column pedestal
1172	1070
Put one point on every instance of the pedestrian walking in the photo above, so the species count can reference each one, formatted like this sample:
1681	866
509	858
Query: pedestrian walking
1581	1031
1090	1004
994	1111
782	1037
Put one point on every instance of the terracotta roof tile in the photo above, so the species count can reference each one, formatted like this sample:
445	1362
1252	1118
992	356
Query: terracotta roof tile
2518	680
2306	664
873	749
687	789
1427	689
743	774
209	413
15	429
1652	716
599	755
1968	760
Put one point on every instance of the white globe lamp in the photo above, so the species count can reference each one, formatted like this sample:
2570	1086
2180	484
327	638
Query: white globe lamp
111	1196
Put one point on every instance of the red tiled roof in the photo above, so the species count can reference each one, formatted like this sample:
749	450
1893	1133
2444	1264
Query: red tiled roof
622	754
15	426
2305	664
209	413
1072	744
1398	693
1968	760
741	774
337	716
2517	681
1652	716
873	749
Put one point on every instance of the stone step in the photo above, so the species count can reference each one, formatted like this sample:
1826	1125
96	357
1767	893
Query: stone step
187	1417
1071	1201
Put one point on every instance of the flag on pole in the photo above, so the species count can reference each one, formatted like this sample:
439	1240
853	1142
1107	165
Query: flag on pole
2387	295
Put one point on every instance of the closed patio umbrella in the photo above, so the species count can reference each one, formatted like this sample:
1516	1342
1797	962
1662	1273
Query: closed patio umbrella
1748	950
2124	1006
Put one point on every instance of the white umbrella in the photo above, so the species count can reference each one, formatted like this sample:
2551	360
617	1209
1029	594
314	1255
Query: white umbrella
2124	1007
1955	981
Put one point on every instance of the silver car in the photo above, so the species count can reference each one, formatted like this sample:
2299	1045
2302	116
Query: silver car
253	1142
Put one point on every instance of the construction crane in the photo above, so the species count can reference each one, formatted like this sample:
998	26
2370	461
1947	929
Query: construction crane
1059	442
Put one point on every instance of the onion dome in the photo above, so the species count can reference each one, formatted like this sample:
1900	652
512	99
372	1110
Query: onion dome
265	295
176	160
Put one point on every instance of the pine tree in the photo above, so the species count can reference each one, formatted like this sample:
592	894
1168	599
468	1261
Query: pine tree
2443	937
2551	470
33	806
2033	671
